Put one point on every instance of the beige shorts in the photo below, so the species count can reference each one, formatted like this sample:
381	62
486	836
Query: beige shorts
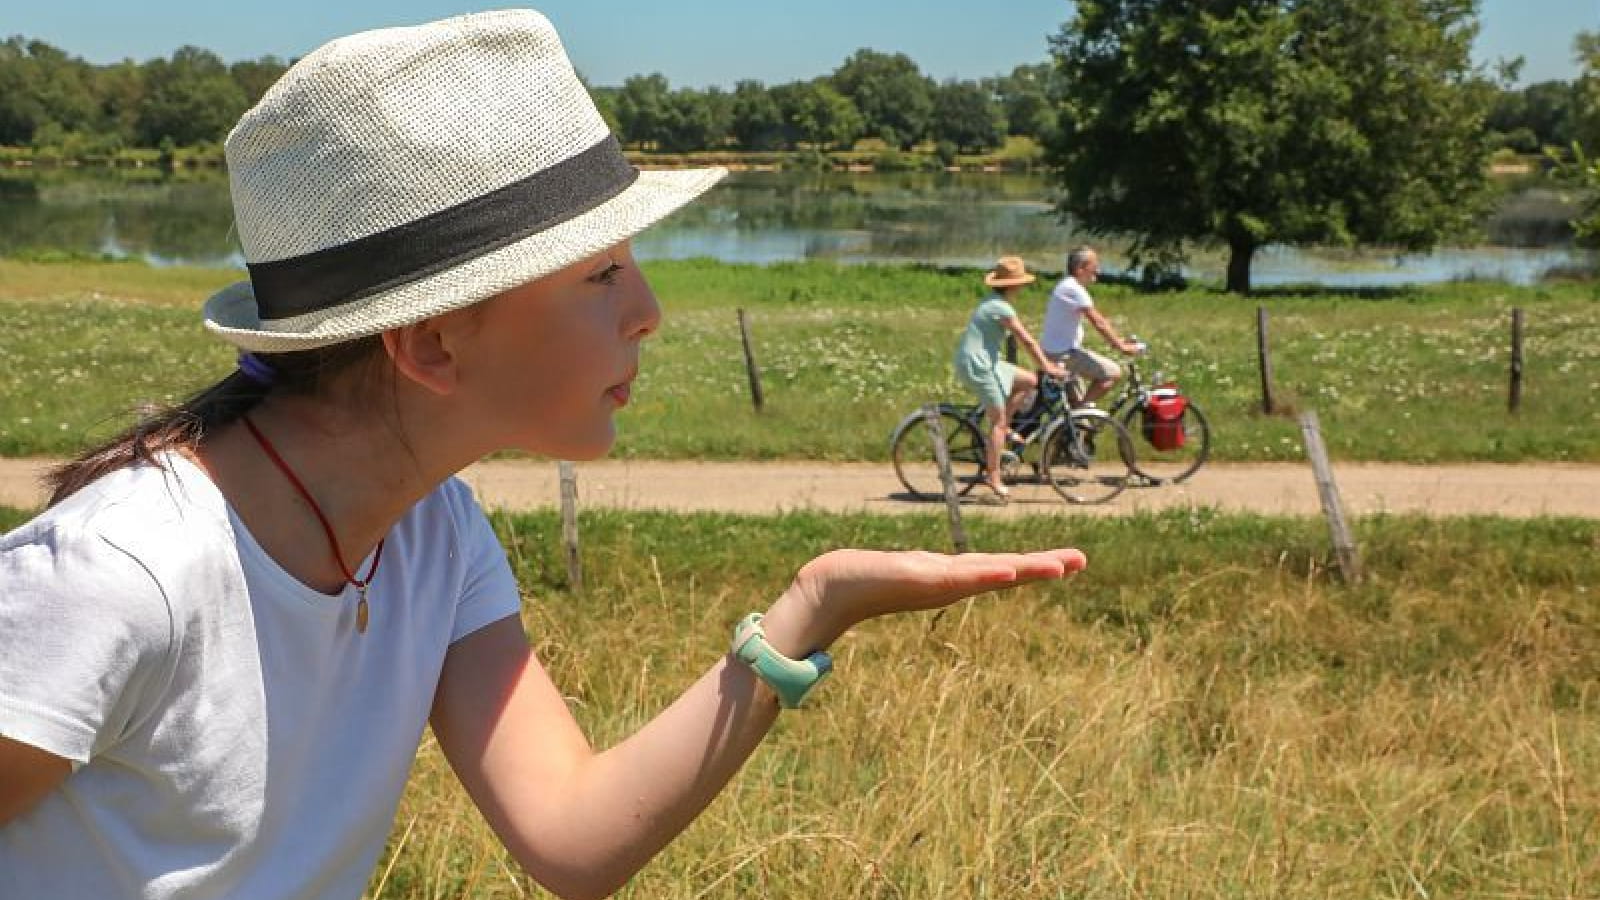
1088	364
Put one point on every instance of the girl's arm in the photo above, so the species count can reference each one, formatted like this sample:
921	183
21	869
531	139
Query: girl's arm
27	774
1020	331
582	823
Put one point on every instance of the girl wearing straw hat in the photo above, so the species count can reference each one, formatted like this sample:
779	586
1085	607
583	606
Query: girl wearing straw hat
982	367
221	642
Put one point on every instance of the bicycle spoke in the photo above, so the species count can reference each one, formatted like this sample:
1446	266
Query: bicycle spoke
916	463
1087	458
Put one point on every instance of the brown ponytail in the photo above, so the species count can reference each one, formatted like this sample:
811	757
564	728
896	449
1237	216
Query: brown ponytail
184	426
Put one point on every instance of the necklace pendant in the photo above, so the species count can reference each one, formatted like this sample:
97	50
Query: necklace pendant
361	613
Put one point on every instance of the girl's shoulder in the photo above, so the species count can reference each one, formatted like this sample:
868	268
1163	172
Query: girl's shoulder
134	499
94	562
996	306
446	529
451	506
123	528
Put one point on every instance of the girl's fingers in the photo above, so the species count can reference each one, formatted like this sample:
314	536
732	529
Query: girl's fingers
872	583
974	573
1052	563
1024	566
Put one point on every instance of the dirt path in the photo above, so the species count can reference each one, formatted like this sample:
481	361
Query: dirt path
758	487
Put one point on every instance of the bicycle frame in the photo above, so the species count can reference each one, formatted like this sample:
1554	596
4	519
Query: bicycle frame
1134	390
1051	404
1036	424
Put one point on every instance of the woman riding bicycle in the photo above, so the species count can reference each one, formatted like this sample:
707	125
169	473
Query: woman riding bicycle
980	363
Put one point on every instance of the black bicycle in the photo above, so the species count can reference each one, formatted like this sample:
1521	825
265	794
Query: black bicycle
1085	454
1176	436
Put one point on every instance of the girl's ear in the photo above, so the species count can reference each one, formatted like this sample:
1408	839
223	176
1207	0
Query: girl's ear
422	353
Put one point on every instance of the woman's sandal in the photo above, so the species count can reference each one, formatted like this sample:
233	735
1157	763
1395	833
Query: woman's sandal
999	495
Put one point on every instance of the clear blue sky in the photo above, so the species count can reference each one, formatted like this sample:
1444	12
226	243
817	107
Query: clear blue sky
695	42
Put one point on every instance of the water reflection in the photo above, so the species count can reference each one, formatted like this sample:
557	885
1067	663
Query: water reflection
753	217
136	213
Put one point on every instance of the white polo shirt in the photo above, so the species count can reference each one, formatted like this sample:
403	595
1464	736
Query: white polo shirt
1063	317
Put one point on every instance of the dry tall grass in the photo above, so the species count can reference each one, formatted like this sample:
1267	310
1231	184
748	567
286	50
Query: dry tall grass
1202	714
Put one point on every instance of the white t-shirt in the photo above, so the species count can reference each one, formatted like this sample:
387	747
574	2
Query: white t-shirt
232	734
1063	317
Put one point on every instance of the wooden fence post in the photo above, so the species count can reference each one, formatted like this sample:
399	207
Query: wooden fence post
750	362
1344	546
941	453
1515	401
569	524
1264	352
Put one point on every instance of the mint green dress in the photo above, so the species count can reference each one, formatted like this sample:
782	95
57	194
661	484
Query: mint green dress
980	354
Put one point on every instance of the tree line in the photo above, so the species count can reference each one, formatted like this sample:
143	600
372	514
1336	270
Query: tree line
50	99
1176	124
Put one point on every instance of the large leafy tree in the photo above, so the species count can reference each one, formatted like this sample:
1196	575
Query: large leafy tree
815	113
1586	91
644	106
1532	118
697	120
254	76
757	120
1252	122
189	99
893	96
1585	167
1025	97
605	100
650	114
966	115
121	90
42	89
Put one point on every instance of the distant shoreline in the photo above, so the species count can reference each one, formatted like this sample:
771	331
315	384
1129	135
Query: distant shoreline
1019	157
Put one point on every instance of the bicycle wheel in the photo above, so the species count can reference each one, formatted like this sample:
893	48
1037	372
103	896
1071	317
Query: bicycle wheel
1089	458
918	467
1178	463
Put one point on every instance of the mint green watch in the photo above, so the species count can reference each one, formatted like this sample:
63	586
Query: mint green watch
790	679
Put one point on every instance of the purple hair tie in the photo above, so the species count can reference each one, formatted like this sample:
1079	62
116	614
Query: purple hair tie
255	369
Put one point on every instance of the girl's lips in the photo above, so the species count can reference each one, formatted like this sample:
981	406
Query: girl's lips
621	392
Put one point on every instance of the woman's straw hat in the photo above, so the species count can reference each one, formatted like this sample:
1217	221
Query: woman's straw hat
1010	271
398	174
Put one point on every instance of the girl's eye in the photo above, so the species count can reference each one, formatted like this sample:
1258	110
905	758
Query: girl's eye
608	275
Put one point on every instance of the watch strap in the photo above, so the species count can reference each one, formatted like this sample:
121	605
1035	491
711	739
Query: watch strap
790	679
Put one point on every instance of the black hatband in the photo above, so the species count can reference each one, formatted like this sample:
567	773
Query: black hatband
441	240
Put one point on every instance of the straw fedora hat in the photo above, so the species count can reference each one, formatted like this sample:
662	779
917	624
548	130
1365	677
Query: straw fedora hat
398	174
1009	271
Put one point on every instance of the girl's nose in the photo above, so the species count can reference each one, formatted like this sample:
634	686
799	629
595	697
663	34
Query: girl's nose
644	313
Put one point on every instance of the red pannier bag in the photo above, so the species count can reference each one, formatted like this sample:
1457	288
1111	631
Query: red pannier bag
1163	417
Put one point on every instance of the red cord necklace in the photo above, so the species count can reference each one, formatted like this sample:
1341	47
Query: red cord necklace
361	585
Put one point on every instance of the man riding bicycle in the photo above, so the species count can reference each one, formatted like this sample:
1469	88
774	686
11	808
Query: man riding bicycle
1062	339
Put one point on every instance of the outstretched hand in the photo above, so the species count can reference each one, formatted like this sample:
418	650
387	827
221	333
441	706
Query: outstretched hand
844	587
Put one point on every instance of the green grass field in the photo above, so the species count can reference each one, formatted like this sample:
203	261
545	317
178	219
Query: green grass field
1204	713
1416	375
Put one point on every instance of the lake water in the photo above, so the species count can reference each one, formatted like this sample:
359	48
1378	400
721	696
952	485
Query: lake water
752	217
